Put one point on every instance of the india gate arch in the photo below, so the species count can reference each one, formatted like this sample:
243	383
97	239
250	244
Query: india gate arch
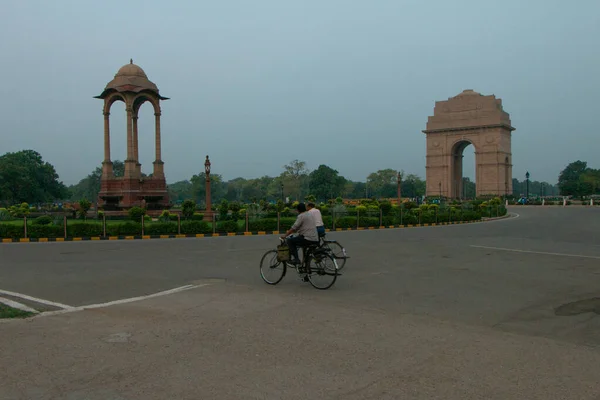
132	87
469	118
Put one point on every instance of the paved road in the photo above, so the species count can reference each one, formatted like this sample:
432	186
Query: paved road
466	311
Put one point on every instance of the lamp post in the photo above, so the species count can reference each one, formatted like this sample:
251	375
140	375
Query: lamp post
527	184
398	182
208	212
282	192
440	185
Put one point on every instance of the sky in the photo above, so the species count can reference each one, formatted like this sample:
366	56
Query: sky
257	84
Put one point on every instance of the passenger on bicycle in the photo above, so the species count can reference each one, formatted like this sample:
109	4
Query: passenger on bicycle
307	232
318	218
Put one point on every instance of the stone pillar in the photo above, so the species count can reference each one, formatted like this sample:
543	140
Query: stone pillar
107	170
158	163
138	166
129	162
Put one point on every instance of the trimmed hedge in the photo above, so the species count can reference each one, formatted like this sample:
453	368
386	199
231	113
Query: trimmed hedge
195	225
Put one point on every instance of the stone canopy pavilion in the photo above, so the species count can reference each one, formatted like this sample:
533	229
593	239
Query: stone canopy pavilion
132	86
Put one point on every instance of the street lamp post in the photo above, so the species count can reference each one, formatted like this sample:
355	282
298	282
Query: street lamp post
440	185
208	212
282	192
398	182
527	183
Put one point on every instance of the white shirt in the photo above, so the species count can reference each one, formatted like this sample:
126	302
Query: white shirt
317	216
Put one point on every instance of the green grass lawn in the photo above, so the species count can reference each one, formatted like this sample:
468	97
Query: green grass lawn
9	312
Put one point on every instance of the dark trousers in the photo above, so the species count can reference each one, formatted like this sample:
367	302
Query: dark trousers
297	241
321	230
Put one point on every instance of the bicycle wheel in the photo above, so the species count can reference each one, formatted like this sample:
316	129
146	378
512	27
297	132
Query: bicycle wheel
322	271
272	270
337	251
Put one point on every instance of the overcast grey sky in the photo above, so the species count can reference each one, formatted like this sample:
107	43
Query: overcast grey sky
256	84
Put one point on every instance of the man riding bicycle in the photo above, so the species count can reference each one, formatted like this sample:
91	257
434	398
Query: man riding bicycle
306	228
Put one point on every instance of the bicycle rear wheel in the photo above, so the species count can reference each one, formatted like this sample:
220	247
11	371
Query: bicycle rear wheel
322	271
272	270
337	251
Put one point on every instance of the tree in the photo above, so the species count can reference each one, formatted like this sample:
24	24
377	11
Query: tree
325	183
217	187
180	190
412	186
295	178
26	177
84	207
383	183
572	180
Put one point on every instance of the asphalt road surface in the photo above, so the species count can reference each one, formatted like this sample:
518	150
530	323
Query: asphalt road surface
500	310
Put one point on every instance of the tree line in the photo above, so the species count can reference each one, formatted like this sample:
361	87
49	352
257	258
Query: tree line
26	177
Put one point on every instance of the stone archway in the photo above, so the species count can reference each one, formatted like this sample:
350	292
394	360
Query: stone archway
132	86
469	118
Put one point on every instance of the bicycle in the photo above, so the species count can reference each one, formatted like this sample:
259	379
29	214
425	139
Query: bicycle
316	263
336	249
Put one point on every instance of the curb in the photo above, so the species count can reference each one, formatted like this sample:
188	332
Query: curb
205	235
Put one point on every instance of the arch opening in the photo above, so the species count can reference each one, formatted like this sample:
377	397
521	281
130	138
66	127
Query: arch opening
464	176
145	138
118	134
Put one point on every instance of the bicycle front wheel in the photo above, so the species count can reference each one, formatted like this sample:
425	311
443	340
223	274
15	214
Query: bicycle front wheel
322	271
272	270
338	252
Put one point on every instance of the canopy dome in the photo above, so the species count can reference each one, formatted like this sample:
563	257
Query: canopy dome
130	78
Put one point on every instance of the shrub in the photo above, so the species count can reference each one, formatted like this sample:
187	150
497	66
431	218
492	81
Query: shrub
346	222
385	207
194	227
39	231
5	215
165	216
125	229
84	229
187	208
227	226
409	205
223	209
42	220
198	217
361	209
136	213
368	221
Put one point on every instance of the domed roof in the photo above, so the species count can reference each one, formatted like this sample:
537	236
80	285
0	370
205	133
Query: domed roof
131	69
130	78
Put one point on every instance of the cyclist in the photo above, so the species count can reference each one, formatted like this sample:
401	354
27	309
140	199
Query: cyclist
318	218
307	232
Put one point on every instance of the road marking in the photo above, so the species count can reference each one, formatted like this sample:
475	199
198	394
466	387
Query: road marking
122	301
19	306
42	301
537	252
